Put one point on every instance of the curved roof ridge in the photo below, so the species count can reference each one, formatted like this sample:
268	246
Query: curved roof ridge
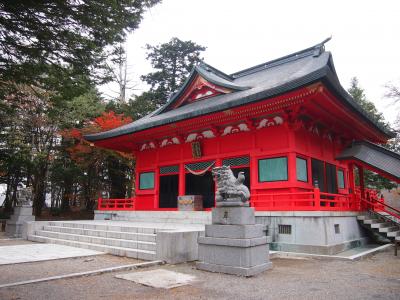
209	73
315	51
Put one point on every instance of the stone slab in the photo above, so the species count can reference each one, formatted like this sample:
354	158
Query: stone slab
177	246
242	243
234	256
159	278
23	210
233	216
40	252
239	271
235	231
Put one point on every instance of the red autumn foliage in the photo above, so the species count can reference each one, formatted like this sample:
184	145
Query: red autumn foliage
110	120
107	121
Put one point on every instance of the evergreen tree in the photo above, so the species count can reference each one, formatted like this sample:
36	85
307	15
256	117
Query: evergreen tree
70	37
359	96
173	62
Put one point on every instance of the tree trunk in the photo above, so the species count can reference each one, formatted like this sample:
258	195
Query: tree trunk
40	188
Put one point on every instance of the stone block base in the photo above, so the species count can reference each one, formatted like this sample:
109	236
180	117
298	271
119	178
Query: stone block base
15	224
239	271
233	216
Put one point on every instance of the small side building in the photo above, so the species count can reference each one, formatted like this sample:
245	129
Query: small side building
288	124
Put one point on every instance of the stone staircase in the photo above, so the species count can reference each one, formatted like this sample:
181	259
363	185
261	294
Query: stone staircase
381	224
122	240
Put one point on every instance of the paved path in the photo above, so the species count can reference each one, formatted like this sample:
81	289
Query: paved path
40	252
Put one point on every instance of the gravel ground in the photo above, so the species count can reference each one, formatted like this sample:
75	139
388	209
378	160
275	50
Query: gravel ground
376	277
36	270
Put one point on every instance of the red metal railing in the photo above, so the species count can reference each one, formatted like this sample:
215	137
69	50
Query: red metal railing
116	204
314	200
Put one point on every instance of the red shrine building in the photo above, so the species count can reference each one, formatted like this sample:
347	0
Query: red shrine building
288	124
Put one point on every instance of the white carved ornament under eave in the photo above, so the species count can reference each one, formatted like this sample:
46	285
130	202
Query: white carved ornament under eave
207	134
169	141
267	122
235	129
147	146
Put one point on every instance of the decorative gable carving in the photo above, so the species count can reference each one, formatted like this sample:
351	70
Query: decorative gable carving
200	89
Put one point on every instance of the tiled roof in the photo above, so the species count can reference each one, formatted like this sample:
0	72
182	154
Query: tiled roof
250	85
373	155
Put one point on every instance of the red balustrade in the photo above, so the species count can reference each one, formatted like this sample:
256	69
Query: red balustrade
312	200
116	204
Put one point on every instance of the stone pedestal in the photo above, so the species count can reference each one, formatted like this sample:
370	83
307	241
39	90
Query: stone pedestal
15	223
234	243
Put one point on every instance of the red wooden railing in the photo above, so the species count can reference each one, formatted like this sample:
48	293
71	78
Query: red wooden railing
116	204
380	206
314	200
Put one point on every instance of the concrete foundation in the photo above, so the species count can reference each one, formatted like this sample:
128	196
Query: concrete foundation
14	226
310	232
313	232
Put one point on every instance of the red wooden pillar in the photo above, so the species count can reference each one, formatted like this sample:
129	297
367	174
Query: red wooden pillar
253	179
362	184
182	180
352	186
156	204
292	168
317	199
218	163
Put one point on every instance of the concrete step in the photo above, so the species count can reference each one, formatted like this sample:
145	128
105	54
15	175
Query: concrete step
141	245
105	227
393	233
381	225
388	229
119	251
371	221
146	237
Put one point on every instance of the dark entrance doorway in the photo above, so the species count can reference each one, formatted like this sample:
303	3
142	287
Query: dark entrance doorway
168	195
317	170
201	185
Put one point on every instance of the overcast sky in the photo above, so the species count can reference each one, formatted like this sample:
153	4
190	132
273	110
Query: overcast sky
240	34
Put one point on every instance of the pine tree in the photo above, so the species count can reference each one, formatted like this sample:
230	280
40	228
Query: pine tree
173	62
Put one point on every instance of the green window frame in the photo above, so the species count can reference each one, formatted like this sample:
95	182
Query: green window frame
301	169
340	179
146	181
273	169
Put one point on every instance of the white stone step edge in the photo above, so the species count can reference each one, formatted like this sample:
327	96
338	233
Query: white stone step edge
372	221
393	233
142	245
119	251
381	225
133	229
134	236
389	229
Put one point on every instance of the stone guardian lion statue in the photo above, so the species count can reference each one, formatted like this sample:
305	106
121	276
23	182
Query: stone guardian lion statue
230	190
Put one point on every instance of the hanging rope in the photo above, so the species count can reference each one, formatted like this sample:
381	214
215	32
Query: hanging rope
201	172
